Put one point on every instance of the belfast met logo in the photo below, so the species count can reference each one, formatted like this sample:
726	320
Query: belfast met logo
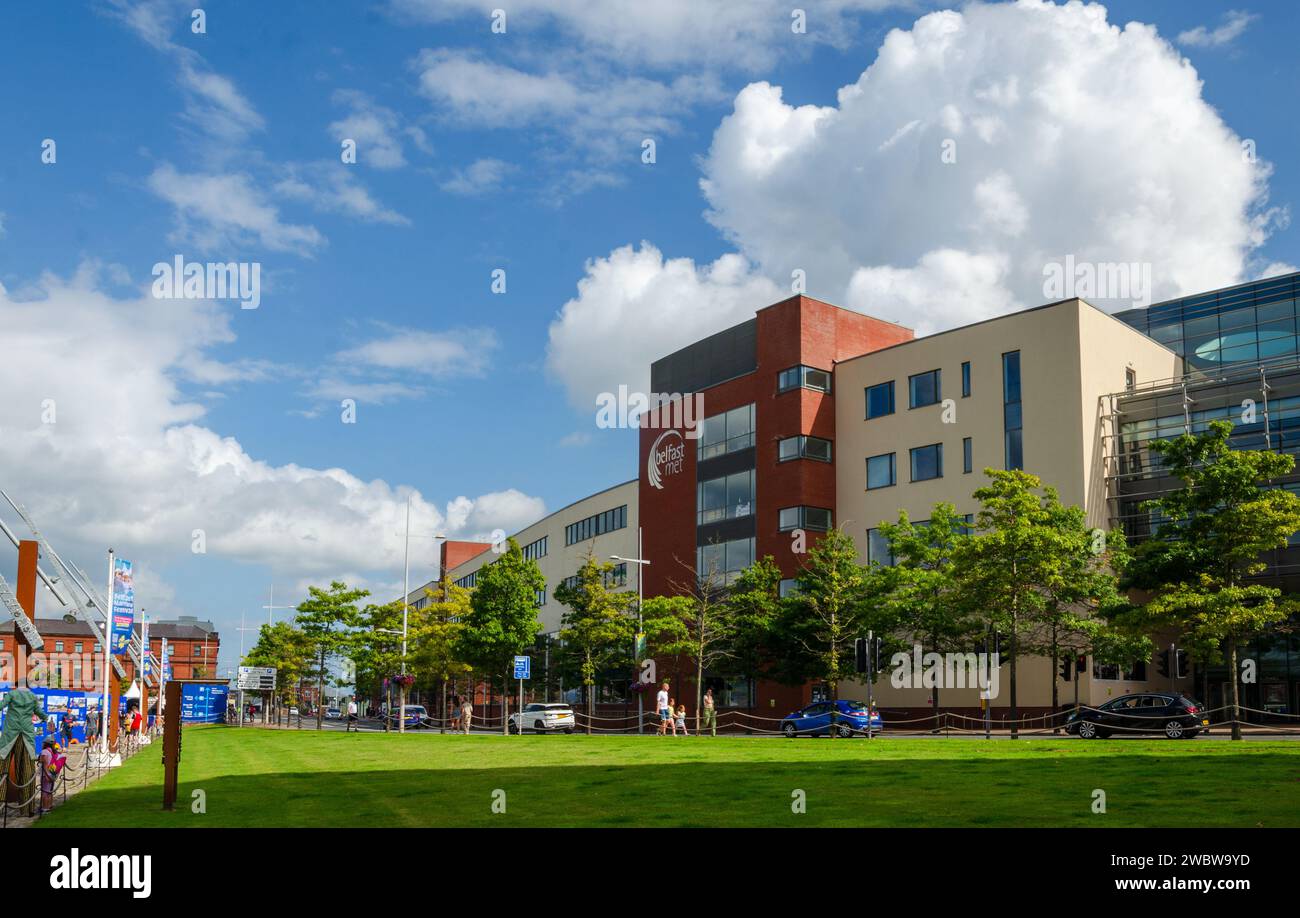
667	456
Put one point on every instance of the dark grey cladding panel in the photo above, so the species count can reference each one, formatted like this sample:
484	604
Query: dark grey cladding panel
738	461
709	361
725	531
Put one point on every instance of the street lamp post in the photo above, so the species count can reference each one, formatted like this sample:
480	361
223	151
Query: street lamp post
640	623
406	595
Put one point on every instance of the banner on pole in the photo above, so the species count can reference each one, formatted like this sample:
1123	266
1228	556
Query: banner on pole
123	602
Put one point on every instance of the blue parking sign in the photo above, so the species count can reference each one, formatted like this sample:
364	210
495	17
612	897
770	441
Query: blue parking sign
523	667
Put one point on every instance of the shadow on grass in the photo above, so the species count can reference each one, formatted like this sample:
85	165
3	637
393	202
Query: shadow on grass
1140	791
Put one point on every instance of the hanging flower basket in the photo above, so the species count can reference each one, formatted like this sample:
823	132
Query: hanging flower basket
404	681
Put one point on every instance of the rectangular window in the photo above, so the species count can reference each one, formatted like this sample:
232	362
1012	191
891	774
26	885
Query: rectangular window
467	582
728	497
927	462
616	577
803	378
880	400
1130	379
967	457
817	519
722	562
727	432
77	647
878	551
535	550
924	389
1012	419
880	471
788	588
965	379
596	525
803	448
539	598
58	647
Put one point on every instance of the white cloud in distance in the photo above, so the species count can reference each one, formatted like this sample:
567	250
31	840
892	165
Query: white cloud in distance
1234	24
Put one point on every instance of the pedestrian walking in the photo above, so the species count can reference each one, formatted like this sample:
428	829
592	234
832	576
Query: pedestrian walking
710	720
50	763
466	715
455	712
352	717
681	721
662	703
67	728
92	725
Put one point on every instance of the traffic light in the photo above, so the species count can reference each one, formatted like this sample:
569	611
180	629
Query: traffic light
880	643
860	655
1162	662
1180	664
1065	669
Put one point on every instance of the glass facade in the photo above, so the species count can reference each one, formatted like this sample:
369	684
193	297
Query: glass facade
1012	416
723	562
727	432
1249	323
880	400
727	497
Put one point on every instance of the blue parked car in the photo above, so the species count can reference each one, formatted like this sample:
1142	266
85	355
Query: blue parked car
415	716
847	718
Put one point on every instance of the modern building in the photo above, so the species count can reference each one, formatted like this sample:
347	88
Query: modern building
815	416
1241	362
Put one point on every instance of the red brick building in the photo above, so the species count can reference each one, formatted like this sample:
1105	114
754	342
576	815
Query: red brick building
73	655
761	465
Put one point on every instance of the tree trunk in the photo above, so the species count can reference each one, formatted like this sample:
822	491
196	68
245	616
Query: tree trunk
1233	694
442	710
1015	711
505	703
401	708
699	688
1056	697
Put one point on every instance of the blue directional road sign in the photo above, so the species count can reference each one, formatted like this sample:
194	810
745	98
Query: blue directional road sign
523	667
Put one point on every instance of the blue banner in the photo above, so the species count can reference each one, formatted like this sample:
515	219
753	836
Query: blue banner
123	602
56	703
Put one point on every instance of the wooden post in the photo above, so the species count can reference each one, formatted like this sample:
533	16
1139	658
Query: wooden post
112	720
171	742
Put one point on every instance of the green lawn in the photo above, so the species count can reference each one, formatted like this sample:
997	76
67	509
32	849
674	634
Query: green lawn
255	777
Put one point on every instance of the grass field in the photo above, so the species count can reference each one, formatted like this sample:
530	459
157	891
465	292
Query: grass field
256	777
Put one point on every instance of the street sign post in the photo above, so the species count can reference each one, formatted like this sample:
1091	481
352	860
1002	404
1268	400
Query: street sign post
523	670
256	678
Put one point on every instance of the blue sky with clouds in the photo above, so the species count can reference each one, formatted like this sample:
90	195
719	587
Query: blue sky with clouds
1077	133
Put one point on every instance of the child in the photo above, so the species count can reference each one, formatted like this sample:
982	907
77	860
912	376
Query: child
681	721
51	763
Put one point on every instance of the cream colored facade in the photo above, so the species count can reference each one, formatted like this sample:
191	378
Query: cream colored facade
1071	354
561	560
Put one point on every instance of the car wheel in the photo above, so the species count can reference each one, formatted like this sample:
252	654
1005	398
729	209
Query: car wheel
515	728
1174	729
1087	730
539	727
1191	734
568	730
789	730
845	731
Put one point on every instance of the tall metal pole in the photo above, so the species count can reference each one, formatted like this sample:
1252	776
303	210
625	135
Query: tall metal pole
406	593
640	627
108	636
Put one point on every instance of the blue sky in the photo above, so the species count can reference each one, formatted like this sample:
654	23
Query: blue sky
523	151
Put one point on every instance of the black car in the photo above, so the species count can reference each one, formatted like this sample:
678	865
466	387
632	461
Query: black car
1173	714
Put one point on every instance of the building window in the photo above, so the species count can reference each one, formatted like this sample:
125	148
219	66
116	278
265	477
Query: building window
77	647
724	561
1130	379
570	582
878	550
880	400
467	582
924	389
539	598
727	497
803	378
599	524
788	587
198	650
58	647
817	519
965	379
616	577
535	550
803	448
927	462
967	457
727	432
880	471
1012	419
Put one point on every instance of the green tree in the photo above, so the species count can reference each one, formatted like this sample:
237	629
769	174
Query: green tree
1008	568
435	634
502	620
755	601
598	625
377	649
832	607
920	591
1217	526
287	648
698	624
327	618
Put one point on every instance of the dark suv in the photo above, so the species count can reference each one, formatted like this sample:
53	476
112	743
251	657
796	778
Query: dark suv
1174	715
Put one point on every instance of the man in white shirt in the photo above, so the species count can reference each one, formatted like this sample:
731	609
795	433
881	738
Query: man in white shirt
352	714
665	712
